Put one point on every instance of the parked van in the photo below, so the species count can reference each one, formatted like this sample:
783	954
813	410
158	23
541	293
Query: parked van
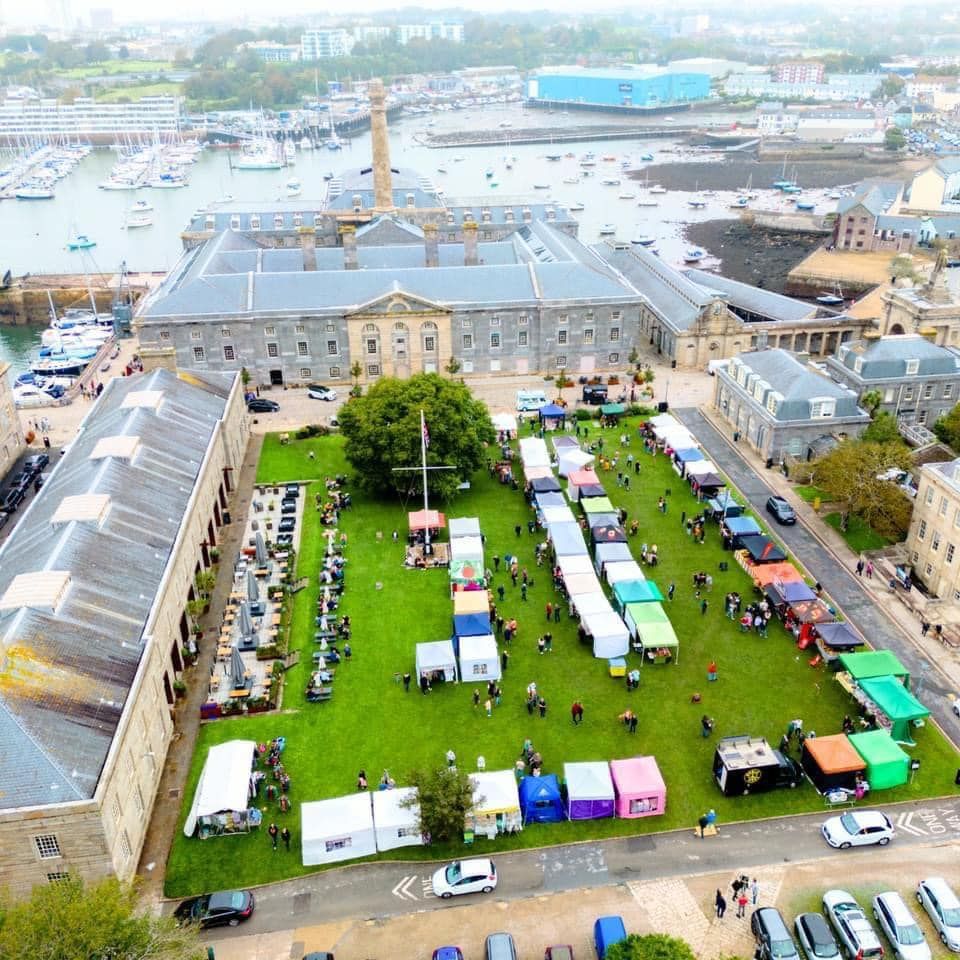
607	930
595	394
530	400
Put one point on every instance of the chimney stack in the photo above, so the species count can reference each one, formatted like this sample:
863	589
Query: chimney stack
349	234
308	244
431	242
470	258
382	183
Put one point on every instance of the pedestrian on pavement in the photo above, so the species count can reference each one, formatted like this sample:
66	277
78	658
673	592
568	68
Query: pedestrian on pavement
869	570
924	627
860	566
273	832
721	905
576	713
742	903
285	836
754	891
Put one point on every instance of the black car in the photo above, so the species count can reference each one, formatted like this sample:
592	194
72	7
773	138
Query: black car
287	525
227	908
14	497
291	490
261	405
288	506
285	540
37	462
780	510
773	938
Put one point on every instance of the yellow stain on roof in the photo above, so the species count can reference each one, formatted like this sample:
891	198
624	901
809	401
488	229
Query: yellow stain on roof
28	675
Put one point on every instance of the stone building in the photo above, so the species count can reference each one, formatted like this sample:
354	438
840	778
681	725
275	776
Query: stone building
781	407
918	381
930	308
94	584
11	435
934	534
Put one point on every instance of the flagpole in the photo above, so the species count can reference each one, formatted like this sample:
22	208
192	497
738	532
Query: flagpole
423	463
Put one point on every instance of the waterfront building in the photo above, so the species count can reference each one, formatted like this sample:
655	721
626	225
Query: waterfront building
782	407
932	189
917	381
620	88
271	52
934	534
322	44
12	442
836	125
836	87
774	120
451	31
31	118
798	71
94	583
714	67
371	35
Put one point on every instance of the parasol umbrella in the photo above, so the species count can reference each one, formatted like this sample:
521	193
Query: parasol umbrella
246	622
261	550
238	672
253	591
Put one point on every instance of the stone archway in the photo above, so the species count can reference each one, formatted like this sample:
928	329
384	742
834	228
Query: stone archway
896	330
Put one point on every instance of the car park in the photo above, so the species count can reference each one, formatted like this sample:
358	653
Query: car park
815	938
37	462
465	876
943	908
287	525
772	935
262	405
857	828
14	497
316	391
227	908
780	510
857	937
500	946
900	926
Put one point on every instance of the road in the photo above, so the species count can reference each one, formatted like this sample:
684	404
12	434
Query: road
843	586
379	890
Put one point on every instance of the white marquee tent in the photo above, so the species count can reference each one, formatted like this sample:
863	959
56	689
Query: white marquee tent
463	527
533	452
574	459
436	656
395	825
497	803
467	548
479	659
589	603
224	784
610	635
575	564
337	829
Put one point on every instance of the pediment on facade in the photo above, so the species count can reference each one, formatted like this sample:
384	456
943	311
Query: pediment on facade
398	302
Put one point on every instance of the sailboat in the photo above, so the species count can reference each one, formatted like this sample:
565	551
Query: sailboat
834	299
80	241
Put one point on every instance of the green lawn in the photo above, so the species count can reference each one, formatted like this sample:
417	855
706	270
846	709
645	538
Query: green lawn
858	535
119	94
810	493
116	67
371	724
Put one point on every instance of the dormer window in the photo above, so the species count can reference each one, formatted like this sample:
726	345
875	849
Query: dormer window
912	368
298	219
774	400
508	215
822	407
858	365
451	217
235	222
411	201
357	201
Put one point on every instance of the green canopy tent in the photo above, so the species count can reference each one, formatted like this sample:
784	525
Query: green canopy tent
897	703
612	410
651	629
874	663
887	765
597	505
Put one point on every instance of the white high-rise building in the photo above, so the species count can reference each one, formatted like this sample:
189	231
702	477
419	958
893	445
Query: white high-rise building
433	30
324	43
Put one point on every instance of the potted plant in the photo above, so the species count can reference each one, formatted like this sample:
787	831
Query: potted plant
179	688
214	554
197	608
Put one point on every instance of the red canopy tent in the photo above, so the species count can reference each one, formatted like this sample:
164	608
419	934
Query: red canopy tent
426	520
764	573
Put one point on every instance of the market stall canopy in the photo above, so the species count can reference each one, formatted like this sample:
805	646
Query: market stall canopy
479	659
762	549
552	499
607	533
567	539
700	467
545	485
681	439
471	601
580	563
788	591
552	411
467	548
724	503
464	527
505	423
898	703
839	635
589	790
687	455
742	526
625	570
495	792
811	611
613	409
340	828
592	490
588	603
466	571
887	765
573	460
639	787
426	520
831	762
664	421
579	583
224	783
596	505
533	452
874	663
540	799
765	573
436	656
562	442
582	477
603	520
706	480
540	472
561	514
395	823
610	635
652	636
471	624
637	591
606	552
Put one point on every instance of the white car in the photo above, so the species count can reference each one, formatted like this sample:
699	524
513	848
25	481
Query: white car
943	908
465	876
858	828
900	926
317	391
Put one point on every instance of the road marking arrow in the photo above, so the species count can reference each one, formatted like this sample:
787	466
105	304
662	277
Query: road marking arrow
402	889
904	823
427	888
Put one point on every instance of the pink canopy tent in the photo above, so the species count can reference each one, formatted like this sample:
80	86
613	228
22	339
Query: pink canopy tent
537	473
426	520
580	478
639	787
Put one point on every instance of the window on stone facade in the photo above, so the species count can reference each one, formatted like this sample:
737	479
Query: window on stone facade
616	315
494	366
125	850
561	336
429	344
494	341
466	323
333	348
858	365
588	316
298	219
138	799
306	373
468	341
943	506
196	335
371	345
614	334
235	222
949	553
199	355
563	318
947	391
613	358
331	328
303	348
929	496
522	338
273	349
57	877
299	328
48	846
373	369
912	367
928	391
225	332
922	531
935	541
228	352
587	336
278	221
254	221
164	334
928	569
561	362
270	331
334	373
494	321
922	416
523	319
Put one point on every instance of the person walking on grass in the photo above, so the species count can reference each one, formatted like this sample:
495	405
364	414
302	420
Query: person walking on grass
273	832
488	706
576	713
476	699
285	836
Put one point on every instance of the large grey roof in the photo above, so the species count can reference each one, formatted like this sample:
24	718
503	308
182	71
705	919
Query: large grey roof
66	671
886	358
949	165
763	302
875	195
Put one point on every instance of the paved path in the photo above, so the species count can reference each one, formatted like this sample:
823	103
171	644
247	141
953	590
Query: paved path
857	604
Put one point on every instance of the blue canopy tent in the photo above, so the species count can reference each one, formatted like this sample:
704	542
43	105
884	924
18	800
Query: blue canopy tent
540	800
545	485
779	592
550	500
635	591
471	624
567	539
688	455
740	527
552	416
592	490
724	505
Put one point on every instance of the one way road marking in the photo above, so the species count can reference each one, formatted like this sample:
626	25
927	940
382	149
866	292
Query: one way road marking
904	823
402	889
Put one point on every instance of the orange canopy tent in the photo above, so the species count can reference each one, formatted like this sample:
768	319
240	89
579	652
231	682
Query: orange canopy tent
764	573
831	762
426	520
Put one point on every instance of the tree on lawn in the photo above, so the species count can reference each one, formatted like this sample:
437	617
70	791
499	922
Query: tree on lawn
66	920
947	428
444	799
382	432
654	946
883	429
848	475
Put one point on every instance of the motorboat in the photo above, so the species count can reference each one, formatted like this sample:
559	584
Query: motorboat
648	202
67	366
328	176
739	204
80	242
610	181
830	300
554	156
576	205
289	152
643	239
694	255
647	158
571	179
29	395
607	229
541	186
137	220
698	203
293	186
626	195
656	188
805	205
33	191
141	206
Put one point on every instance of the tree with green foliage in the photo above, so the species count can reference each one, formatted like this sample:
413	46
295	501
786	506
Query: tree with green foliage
67	920
848	475
653	946
947	428
894	139
443	800
382	432
871	401
883	429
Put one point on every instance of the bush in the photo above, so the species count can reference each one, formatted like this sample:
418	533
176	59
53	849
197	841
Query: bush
583	414
638	410
312	430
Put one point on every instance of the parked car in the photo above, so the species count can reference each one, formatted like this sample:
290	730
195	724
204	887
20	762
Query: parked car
448	953
858	938
465	876
227	908
772	935
285	540
287	525
500	946
558	952
858	828
900	926
291	490
780	510
943	908
316	391
37	462
262	405
13	499
815	939
288	506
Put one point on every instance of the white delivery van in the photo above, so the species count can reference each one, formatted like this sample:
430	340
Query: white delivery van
530	400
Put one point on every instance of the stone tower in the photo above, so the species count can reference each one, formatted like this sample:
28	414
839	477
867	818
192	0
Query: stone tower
382	184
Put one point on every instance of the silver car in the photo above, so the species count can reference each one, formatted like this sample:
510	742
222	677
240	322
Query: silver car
943	909
900	926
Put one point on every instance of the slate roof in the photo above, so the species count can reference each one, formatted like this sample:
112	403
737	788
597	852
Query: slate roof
65	673
875	195
950	470
948	165
753	299
886	358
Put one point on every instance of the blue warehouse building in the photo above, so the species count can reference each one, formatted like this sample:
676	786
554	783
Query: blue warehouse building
623	88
